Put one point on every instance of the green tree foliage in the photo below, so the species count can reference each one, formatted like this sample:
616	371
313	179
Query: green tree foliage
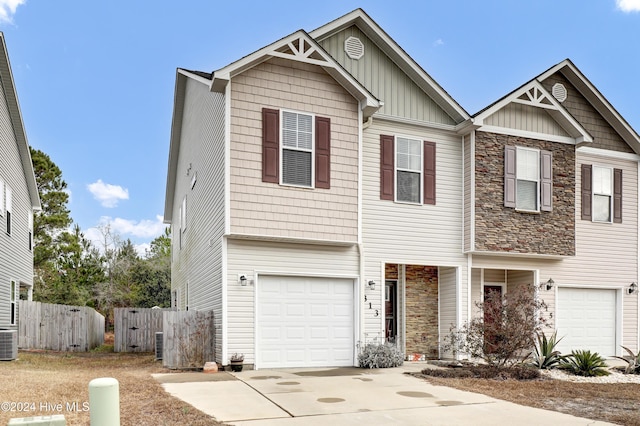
153	274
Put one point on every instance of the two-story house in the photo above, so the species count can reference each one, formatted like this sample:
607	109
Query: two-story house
325	192
18	201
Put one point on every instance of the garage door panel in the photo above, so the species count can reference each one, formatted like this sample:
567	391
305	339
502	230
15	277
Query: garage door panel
316	322
586	319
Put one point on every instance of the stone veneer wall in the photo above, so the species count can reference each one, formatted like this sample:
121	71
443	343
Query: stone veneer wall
390	271
422	311
502	229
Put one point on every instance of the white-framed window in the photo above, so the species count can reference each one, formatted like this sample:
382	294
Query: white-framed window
297	149
528	179
602	193
1	197
13	289
30	219
8	208
182	225
409	170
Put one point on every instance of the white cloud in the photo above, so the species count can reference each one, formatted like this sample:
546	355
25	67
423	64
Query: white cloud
124	229
628	6
108	195
438	42
8	9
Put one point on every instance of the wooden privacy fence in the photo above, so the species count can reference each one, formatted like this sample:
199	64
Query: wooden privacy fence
188	339
134	329
59	327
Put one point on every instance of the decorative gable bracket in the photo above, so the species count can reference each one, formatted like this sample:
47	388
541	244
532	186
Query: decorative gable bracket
536	98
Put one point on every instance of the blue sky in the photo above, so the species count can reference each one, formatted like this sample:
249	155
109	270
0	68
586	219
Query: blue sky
95	78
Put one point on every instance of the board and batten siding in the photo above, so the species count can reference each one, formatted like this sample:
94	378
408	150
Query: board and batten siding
385	80
527	118
16	260
269	209
406	234
199	261
606	253
251	258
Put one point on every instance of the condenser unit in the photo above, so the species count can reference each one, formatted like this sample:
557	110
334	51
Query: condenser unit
158	345
8	345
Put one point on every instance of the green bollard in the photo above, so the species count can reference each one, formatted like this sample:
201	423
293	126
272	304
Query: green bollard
104	402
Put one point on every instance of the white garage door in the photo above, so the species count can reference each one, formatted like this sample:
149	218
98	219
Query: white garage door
586	319
305	322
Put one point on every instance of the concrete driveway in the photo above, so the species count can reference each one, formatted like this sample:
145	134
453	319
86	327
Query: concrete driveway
347	396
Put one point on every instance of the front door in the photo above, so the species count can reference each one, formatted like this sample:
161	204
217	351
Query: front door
390	310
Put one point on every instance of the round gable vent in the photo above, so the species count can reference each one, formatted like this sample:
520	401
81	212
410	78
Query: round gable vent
354	48
559	92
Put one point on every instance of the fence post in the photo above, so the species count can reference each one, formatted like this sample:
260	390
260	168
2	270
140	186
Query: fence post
104	402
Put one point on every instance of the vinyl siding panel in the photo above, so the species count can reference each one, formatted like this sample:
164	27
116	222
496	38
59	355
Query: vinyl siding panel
267	209
16	260
527	118
406	234
255	258
199	261
468	193
384	79
447	280
604	136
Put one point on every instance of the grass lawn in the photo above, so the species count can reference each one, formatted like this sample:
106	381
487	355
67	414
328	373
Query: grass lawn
38	381
615	402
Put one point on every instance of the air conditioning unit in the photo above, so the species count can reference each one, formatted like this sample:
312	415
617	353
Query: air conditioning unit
8	345
158	345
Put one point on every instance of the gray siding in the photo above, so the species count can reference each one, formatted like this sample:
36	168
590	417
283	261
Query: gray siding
527	118
16	260
199	261
383	78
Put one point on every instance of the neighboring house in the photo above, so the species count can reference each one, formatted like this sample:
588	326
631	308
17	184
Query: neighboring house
18	201
325	192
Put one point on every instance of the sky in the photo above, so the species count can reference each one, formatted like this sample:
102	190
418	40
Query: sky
96	78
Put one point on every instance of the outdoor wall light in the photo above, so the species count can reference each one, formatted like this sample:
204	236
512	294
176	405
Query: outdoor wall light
243	280
550	284
633	288
372	284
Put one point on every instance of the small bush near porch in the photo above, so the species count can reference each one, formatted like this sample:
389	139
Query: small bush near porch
504	334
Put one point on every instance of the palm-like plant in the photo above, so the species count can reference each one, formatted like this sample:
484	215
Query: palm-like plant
585	363
544	355
633	361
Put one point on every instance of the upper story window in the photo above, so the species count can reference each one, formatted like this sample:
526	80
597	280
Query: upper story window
407	170
183	221
296	149
528	179
601	194
8	207
30	241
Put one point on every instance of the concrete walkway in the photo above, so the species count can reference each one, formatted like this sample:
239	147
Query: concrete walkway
347	396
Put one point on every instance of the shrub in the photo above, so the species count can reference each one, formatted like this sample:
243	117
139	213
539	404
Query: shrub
518	372
585	363
506	340
633	361
545	355
380	355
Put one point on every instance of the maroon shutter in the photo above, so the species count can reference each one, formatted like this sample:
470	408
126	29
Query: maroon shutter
323	152
617	195
510	176
546	181
270	145
586	192
429	172
387	161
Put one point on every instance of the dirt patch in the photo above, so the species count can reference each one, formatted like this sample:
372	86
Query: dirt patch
48	383
610	402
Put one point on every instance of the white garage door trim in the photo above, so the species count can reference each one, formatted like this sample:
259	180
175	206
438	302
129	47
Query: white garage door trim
281	343
601	297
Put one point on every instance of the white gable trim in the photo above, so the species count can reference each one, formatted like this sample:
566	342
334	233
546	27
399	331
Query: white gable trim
595	98
608	153
367	25
298	46
537	97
